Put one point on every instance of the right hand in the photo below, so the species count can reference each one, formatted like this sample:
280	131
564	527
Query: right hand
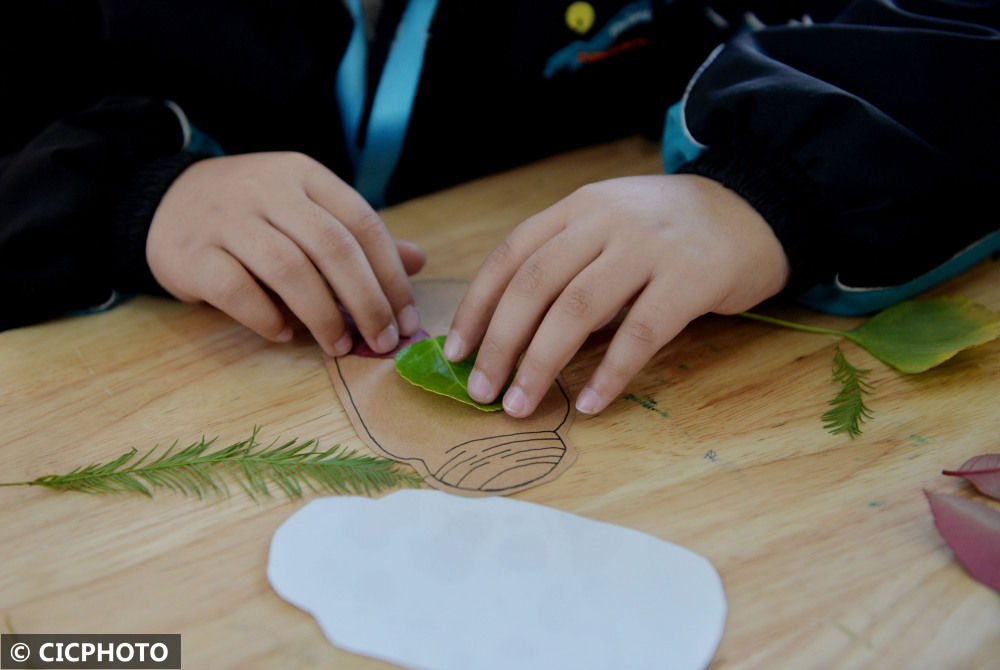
240	232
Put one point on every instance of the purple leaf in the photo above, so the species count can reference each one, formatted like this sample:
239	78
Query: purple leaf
983	472
361	347
972	530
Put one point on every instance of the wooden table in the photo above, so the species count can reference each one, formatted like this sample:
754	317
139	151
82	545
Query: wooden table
825	545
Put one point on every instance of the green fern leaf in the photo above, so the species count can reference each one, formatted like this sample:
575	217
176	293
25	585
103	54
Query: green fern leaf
848	409
292	467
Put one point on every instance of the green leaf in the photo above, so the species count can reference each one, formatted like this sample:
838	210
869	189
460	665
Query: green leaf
292	467
911	336
423	364
848	409
916	335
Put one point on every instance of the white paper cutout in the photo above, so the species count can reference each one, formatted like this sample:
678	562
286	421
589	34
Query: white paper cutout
426	579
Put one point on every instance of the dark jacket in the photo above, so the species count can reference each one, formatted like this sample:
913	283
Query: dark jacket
857	138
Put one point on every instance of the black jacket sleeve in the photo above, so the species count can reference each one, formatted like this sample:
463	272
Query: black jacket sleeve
75	207
81	169
869	143
97	94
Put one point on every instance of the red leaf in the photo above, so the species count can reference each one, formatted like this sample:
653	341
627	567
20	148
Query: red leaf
983	472
361	347
972	530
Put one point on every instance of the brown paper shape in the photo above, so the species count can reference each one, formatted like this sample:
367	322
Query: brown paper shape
456	447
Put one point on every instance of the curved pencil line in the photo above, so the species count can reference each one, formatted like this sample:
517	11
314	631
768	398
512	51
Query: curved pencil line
493	437
445	473
354	406
478	459
483	486
499	453
485	459
502	444
516	467
459	455
471	470
536	458
561	449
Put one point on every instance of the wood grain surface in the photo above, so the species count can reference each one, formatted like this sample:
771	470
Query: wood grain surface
826	546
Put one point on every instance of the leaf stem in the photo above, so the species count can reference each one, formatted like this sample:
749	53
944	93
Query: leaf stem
794	326
966	473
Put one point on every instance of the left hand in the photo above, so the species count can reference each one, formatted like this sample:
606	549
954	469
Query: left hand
672	247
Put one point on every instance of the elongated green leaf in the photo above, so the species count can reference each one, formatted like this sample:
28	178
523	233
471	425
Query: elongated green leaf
916	335
423	364
293	467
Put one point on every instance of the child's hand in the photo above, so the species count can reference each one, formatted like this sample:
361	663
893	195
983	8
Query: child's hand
672	247
243	232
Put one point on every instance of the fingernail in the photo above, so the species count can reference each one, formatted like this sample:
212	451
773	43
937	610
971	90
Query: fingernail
408	320
343	345
285	335
454	347
479	387
514	401
588	402
387	339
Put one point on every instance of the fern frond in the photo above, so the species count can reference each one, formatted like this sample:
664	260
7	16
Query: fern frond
848	409
292	467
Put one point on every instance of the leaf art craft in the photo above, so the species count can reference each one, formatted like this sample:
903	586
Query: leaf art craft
453	445
293	467
971	528
912	336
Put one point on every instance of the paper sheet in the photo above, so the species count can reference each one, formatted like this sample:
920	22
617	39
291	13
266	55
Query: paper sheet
425	579
457	448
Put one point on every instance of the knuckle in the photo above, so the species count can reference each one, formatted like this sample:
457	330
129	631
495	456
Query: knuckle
336	241
587	195
230	290
536	373
576	302
529	278
298	159
490	348
616	371
490	354
368	226
640	331
502	255
371	312
328	325
287	266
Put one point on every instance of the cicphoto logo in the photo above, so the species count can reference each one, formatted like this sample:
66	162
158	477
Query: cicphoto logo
90	651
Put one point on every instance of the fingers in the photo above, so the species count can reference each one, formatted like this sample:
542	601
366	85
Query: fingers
234	291
412	256
553	302
675	247
587	302
282	223
476	309
362	262
649	325
278	263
